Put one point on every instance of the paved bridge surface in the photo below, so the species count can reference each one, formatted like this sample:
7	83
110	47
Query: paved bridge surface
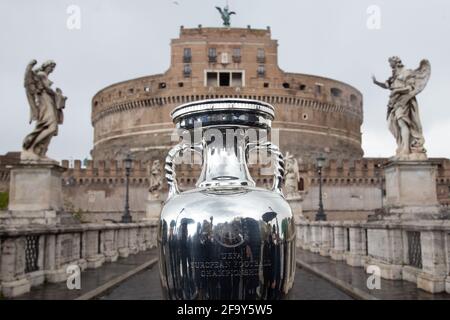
307	286
317	278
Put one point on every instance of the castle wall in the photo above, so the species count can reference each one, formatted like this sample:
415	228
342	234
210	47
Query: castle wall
351	189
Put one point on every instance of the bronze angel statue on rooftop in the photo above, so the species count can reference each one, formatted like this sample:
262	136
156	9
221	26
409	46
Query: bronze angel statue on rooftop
403	111
46	108
226	15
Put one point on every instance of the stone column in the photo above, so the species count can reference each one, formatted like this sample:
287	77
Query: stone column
141	237
55	270
147	231
132	240
12	268
51	273
93	257
316	235
82	261
434	264
154	235
299	239
306	237
357	252
386	250
327	241
124	251
110	250
338	250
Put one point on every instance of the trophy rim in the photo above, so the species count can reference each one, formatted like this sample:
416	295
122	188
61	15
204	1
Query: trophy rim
222	104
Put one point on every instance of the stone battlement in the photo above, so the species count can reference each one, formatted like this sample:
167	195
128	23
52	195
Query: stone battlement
364	171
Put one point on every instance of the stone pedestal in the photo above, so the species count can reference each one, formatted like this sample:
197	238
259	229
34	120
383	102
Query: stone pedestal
35	194
153	208
411	190
296	206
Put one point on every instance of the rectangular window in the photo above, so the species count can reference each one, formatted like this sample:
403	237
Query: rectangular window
187	70
224	79
237	55
261	56
318	88
224	58
212	54
261	71
211	79
236	79
187	55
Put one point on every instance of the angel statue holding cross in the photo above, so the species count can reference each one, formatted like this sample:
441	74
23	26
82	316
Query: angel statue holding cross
403	110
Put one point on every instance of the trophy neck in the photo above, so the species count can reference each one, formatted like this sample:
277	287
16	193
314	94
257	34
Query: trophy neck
224	159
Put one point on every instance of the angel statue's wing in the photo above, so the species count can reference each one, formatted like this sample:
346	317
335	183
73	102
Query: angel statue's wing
419	77
32	86
232	12
220	10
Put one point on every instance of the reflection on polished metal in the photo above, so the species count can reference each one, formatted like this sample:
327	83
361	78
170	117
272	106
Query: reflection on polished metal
226	239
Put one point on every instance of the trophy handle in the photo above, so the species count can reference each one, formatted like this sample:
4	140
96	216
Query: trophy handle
169	167
279	163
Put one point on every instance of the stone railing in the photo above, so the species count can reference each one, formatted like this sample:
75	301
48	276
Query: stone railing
418	252
30	256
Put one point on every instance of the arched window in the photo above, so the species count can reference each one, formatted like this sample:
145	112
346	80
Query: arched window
335	92
301	184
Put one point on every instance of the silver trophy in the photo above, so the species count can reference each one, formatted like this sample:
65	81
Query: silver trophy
226	239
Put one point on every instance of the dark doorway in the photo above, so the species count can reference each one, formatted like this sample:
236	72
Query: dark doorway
224	79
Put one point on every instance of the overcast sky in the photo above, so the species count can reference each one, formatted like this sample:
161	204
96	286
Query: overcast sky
120	40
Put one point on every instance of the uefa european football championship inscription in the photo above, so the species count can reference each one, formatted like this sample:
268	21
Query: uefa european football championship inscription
229	264
226	239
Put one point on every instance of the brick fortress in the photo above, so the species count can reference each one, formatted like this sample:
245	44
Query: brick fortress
313	114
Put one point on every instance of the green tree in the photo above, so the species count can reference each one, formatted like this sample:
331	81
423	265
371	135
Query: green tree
4	200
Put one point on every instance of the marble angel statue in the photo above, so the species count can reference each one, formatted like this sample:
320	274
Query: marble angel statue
156	179
46	109
403	111
292	176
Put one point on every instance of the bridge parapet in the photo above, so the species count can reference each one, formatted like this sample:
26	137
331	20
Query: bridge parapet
415	251
32	255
